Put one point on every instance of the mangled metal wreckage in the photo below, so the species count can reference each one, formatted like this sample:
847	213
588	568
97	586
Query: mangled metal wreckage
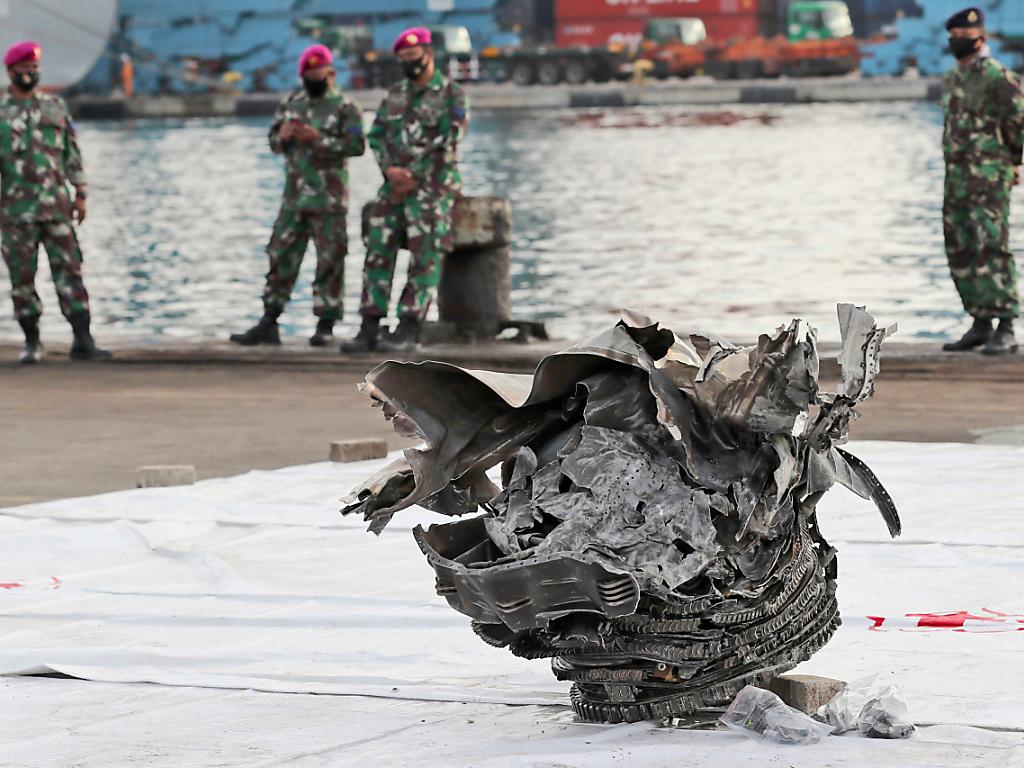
655	532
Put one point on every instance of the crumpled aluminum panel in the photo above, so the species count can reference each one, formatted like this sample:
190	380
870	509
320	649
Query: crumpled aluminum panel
655	530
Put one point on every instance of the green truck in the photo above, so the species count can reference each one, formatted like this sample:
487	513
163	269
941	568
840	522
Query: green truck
822	20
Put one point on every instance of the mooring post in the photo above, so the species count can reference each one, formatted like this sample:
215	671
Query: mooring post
475	295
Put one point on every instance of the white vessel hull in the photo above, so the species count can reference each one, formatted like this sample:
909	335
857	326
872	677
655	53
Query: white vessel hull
73	34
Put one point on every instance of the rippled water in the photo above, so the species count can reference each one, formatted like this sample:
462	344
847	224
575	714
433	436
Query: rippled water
734	221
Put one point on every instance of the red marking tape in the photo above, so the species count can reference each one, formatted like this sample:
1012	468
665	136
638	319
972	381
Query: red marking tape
52	583
957	621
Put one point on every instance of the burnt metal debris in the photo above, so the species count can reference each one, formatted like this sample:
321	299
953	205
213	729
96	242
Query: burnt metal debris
655	531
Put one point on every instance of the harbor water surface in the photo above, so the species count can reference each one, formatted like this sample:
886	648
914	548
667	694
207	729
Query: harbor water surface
732	220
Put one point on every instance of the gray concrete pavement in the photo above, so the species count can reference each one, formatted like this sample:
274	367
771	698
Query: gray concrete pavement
69	429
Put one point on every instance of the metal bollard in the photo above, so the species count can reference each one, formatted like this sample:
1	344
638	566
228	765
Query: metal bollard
475	295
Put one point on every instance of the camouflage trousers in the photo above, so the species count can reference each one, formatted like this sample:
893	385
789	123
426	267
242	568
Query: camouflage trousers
20	245
287	247
977	234
423	224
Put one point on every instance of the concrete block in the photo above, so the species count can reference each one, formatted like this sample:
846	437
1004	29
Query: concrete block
805	692
162	476
358	450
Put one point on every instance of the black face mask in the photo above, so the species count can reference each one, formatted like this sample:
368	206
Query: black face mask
415	68
962	47
315	88
26	81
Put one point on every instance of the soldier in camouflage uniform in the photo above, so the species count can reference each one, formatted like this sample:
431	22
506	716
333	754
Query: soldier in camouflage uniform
415	139
982	143
39	157
316	129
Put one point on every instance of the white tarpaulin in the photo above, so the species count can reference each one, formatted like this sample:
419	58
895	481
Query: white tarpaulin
256	583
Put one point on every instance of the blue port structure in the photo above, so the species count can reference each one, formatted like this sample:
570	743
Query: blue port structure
182	46
920	39
252	45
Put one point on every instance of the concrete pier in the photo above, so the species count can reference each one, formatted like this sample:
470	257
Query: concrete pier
806	692
697	91
228	410
344	451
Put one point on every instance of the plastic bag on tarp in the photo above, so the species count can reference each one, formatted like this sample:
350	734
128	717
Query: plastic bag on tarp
762	715
885	716
876	710
843	711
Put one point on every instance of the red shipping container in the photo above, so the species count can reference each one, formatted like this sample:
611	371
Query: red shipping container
722	29
591	10
597	33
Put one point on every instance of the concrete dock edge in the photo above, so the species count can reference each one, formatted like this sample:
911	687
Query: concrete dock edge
491	96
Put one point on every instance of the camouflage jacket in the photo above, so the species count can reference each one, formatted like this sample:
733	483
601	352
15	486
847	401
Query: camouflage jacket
419	128
39	156
317	173
984	126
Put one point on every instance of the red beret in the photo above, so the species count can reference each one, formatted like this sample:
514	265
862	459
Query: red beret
27	50
315	56
412	37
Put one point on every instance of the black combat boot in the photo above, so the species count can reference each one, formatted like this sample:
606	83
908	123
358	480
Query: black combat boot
32	352
1003	342
323	335
366	340
83	347
264	332
978	335
405	338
